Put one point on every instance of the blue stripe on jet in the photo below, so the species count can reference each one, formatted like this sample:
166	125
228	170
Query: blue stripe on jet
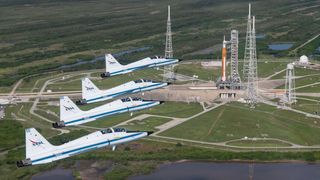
85	147
122	92
141	67
107	113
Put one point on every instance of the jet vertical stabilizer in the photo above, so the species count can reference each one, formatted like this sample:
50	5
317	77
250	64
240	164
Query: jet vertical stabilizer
36	146
111	65
68	110
88	90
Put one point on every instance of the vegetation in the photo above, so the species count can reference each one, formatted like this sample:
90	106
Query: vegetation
147	124
221	125
12	134
309	106
35	38
170	109
196	69
258	143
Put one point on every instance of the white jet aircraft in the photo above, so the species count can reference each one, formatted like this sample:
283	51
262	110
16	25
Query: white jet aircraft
92	94
113	67
40	151
71	115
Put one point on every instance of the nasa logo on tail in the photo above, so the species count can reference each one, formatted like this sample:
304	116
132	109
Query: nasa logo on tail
68	108
89	88
36	143
111	62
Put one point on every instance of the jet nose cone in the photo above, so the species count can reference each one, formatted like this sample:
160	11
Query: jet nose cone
149	132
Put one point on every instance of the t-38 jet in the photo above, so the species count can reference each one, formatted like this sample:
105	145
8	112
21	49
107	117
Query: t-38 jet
71	115
40	151
113	67
92	94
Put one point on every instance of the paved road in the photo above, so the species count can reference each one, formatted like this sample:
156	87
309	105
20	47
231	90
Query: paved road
307	85
15	87
230	147
274	74
307	42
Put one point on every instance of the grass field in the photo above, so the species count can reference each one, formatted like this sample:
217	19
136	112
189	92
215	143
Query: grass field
303	81
197	69
147	124
21	114
258	143
312	89
235	121
298	72
307	106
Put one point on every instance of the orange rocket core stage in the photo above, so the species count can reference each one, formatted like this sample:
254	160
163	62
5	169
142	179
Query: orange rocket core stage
224	59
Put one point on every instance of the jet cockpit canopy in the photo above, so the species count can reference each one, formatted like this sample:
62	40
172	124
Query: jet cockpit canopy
127	99
136	99
112	130
156	57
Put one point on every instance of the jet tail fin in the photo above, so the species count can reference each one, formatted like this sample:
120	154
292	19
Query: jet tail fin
68	109
88	88
36	144
111	63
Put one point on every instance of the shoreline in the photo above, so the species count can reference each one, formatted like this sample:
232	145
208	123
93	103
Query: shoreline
248	161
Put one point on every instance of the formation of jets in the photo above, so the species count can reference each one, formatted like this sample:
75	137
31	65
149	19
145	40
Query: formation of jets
40	151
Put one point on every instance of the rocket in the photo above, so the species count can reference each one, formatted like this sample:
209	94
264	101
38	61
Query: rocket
224	59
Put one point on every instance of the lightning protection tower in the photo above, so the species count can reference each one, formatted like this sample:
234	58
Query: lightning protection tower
168	73
290	95
252	75
247	47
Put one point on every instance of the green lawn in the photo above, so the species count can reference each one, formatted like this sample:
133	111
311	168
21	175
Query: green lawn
12	134
266	68
147	124
235	121
307	106
298	72
258	143
22	112
196	69
310	89
306	81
